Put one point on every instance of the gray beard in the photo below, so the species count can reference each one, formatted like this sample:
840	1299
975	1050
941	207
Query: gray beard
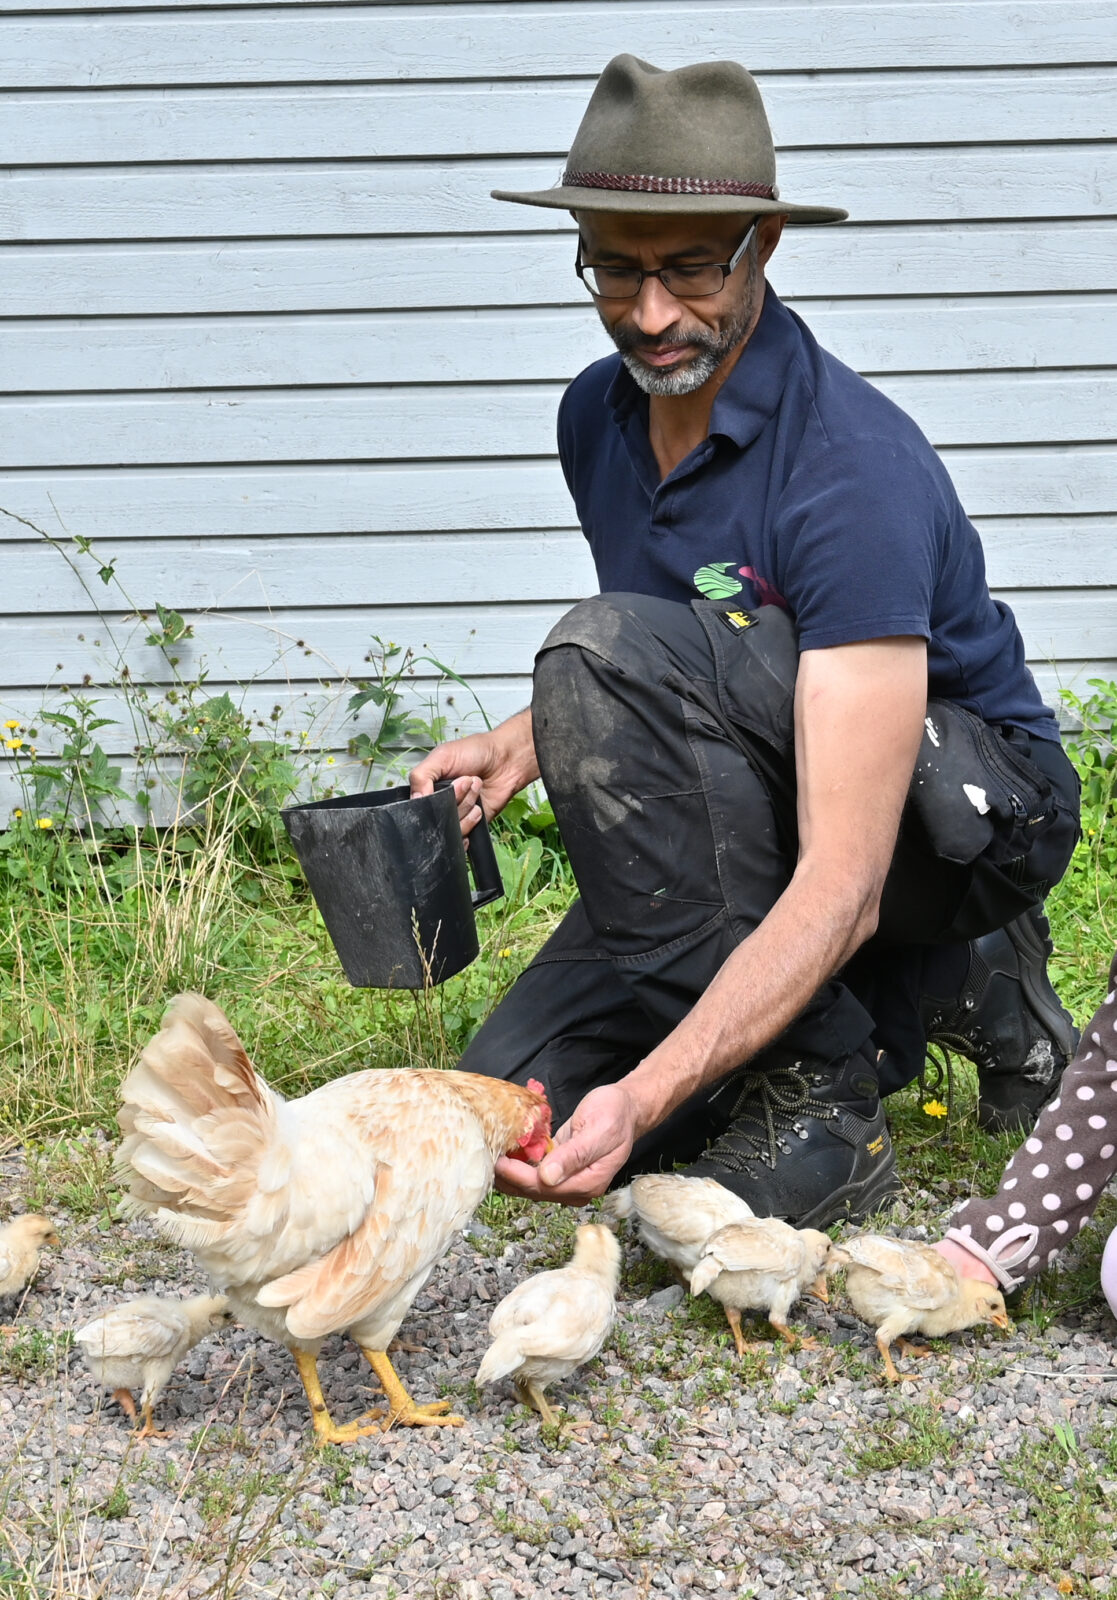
711	349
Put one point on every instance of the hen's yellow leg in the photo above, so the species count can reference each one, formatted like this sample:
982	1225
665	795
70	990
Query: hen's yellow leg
127	1402
401	1407
326	1430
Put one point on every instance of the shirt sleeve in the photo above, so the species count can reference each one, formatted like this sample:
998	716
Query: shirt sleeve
858	535
1054	1181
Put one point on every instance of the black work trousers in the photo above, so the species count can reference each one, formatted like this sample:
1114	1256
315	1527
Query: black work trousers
665	738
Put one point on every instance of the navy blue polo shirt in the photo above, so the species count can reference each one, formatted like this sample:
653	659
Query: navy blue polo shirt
813	492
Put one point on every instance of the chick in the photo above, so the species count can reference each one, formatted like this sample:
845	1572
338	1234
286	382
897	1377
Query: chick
763	1265
901	1287
552	1323
142	1341
20	1243
675	1214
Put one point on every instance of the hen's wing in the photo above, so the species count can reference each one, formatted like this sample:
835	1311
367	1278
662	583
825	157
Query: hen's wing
914	1272
430	1168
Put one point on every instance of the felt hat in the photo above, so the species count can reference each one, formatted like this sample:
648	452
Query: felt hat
695	140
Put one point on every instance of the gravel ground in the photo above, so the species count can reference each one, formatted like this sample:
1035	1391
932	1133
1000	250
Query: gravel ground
785	1475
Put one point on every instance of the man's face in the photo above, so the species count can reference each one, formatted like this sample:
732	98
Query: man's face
671	345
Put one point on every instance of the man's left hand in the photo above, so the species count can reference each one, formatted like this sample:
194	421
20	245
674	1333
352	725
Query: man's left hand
589	1151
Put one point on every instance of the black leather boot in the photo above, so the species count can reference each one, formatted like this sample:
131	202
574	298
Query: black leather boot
806	1141
1008	1020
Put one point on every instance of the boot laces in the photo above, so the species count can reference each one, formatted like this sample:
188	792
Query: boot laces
768	1105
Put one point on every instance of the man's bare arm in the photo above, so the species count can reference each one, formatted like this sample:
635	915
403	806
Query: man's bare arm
859	712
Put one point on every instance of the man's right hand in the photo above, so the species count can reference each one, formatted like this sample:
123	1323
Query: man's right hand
487	768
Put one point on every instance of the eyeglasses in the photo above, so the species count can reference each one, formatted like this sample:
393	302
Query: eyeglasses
685	283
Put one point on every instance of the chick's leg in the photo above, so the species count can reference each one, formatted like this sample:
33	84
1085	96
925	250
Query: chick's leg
534	1394
907	1349
401	1407
326	1430
792	1339
126	1400
149	1430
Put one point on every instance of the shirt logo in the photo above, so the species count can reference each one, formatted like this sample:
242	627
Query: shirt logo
721	580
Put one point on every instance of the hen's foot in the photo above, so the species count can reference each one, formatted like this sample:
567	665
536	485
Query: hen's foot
326	1430
794	1340
401	1408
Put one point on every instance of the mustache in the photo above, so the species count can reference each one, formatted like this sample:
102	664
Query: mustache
630	341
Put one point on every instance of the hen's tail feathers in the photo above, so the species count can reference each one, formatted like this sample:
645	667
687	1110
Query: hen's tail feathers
503	1356
197	1121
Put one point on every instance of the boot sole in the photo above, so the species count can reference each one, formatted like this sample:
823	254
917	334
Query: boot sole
855	1201
1041	997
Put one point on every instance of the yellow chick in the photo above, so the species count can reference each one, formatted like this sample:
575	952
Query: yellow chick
900	1286
142	1342
20	1243
675	1215
556	1321
763	1265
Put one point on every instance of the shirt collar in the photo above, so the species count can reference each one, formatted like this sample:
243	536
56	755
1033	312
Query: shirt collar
751	393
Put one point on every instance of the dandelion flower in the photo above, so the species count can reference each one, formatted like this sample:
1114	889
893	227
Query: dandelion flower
46	822
505	953
11	723
935	1108
17	812
329	761
13	744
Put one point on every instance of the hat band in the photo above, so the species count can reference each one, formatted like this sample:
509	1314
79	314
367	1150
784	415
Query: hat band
642	183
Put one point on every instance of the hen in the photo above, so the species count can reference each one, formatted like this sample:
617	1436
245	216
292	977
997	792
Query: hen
675	1215
556	1321
142	1342
20	1243
763	1265
900	1286
320	1215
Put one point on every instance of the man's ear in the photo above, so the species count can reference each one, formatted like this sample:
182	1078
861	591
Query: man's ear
768	236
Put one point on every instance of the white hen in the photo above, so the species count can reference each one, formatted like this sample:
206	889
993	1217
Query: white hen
555	1322
142	1341
763	1265
675	1214
321	1215
900	1286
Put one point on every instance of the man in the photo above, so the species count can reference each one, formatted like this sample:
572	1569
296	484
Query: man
767	932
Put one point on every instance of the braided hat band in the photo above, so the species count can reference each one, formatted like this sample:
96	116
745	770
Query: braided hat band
643	183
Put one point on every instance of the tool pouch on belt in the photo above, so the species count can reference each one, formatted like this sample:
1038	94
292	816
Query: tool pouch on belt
974	793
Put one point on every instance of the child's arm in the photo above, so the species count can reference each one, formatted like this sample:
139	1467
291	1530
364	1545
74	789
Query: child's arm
1053	1182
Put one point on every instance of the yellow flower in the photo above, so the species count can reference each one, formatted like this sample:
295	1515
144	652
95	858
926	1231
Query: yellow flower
1065	1586
46	822
935	1108
11	723
17	812
13	744
329	761
504	954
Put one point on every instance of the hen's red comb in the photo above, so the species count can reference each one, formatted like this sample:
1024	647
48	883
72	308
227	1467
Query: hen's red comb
534	1084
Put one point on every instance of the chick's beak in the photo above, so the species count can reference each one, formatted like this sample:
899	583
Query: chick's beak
52	1238
999	1319
820	1289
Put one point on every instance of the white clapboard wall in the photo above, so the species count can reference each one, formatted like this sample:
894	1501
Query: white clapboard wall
268	345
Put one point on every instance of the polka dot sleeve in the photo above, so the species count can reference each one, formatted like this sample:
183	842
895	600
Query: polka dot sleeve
1053	1182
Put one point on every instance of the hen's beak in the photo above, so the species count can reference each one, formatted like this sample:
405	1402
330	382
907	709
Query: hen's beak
820	1290
548	1147
999	1319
